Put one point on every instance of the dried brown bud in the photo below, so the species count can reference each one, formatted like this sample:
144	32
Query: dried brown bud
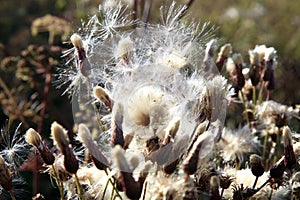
5	175
256	165
61	140
190	164
278	169
32	137
289	155
223	55
46	154
70	161
117	137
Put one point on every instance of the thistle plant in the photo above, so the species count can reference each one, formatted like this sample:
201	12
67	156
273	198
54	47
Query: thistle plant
149	105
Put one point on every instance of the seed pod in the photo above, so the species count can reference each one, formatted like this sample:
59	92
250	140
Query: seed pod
256	166
46	154
32	137
132	188
278	169
289	155
70	161
190	164
97	156
117	137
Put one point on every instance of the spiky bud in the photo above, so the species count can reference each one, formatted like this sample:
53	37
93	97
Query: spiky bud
225	181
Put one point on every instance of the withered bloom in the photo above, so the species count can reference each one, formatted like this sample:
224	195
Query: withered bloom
276	173
256	165
240	79
32	137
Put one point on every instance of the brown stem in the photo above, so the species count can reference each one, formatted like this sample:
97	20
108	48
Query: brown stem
146	13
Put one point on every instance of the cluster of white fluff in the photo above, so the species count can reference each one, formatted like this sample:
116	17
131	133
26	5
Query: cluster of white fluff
152	73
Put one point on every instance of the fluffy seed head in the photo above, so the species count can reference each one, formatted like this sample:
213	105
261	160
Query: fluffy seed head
237	59
225	50
77	41
32	137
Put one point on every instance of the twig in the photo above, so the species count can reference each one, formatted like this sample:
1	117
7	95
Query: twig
146	12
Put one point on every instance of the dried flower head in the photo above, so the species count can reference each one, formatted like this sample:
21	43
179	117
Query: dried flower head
60	136
61	140
235	145
77	41
33	137
256	165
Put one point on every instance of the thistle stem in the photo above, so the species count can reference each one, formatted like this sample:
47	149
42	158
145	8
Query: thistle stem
80	192
222	192
254	184
260	93
245	107
12	195
254	95
113	185
58	182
